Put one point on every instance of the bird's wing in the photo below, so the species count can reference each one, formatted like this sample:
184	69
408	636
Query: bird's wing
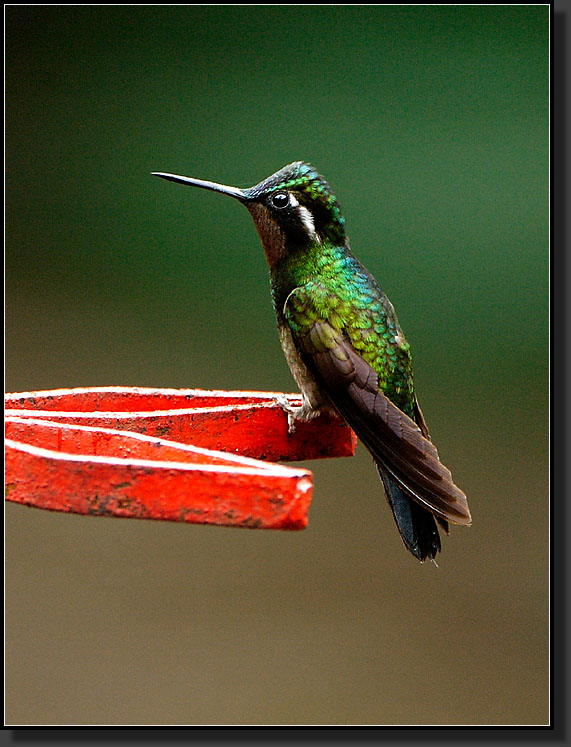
393	438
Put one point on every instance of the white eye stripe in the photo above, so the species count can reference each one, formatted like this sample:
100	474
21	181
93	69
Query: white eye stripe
305	216
307	220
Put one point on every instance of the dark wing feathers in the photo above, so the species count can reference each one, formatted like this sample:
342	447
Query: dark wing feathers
421	422
401	446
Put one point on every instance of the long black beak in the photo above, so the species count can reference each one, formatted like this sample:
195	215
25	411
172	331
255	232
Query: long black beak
231	191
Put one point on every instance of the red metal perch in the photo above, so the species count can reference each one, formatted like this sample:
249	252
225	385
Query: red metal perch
168	454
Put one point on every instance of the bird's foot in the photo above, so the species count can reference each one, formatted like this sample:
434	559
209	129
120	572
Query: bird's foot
302	413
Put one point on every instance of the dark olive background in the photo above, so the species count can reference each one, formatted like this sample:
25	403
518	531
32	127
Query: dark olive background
432	125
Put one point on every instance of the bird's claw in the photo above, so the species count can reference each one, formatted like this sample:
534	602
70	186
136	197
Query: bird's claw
291	412
301	414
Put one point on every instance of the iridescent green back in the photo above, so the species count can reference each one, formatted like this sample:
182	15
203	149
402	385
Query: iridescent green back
344	294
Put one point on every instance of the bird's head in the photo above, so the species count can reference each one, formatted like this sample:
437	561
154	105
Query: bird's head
292	208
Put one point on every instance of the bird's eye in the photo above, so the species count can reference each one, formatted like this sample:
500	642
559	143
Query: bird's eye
280	199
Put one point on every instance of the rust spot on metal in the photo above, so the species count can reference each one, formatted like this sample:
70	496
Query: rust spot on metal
251	522
110	505
276	500
162	430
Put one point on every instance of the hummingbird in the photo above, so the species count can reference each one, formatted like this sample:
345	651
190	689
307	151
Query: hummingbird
345	347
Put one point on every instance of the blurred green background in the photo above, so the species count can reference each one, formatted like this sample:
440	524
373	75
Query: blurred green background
431	125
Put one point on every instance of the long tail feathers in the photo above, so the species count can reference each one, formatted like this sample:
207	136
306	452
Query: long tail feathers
417	525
